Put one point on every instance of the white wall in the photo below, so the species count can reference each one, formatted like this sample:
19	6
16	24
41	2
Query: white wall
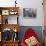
38	21
7	3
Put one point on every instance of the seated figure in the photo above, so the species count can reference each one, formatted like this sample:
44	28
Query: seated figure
30	38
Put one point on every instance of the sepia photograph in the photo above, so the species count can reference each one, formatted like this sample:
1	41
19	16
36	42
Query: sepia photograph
29	12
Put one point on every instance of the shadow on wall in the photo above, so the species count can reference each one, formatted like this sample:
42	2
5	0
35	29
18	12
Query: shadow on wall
37	29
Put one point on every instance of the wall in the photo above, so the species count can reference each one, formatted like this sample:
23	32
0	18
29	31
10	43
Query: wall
38	21
7	3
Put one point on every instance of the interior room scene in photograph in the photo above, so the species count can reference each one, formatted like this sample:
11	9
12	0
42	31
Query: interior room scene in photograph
29	12
22	23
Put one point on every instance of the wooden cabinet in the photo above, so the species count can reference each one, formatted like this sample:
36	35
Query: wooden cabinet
7	13
8	24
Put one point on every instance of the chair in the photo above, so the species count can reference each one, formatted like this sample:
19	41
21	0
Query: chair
29	33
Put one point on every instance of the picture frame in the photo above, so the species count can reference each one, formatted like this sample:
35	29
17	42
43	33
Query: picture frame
5	12
13	12
29	12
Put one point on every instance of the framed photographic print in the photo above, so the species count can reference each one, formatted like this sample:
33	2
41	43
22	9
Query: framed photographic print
5	12
29	12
